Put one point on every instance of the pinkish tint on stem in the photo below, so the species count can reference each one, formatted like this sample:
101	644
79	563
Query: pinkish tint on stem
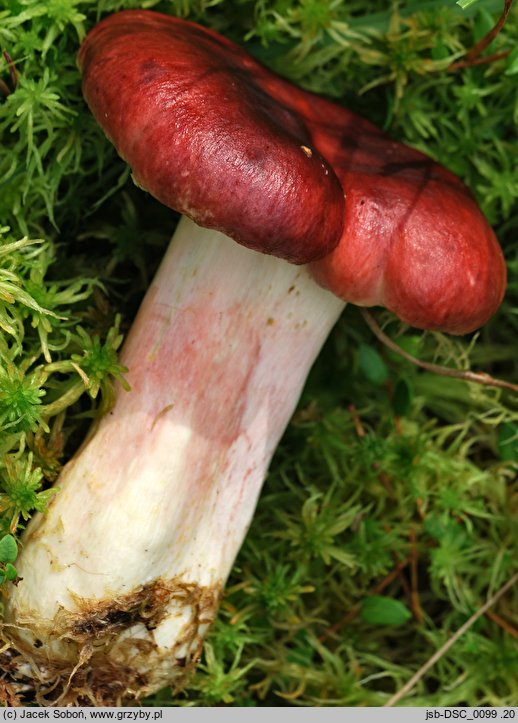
125	570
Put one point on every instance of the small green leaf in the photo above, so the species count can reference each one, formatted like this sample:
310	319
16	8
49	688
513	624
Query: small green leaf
372	365
8	549
402	399
439	52
380	610
11	572
508	442
484	22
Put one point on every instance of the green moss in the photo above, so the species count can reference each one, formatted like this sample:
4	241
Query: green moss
390	482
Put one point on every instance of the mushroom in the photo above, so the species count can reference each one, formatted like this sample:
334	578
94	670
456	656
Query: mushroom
122	576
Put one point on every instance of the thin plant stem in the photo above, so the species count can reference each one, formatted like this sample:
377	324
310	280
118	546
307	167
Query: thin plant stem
482	60
466	376
4	88
501	622
451	642
414	597
472	57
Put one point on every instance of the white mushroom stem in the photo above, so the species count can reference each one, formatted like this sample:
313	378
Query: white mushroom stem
122	576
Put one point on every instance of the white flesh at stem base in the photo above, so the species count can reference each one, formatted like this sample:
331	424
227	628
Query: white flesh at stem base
125	570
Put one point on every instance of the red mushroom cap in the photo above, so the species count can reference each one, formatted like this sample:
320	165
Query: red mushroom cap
414	239
186	109
215	135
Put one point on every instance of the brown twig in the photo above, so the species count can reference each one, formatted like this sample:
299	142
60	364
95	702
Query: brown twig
472	57
358	426
4	88
510	629
403	581
420	508
414	596
384	479
402	692
12	69
483	60
467	376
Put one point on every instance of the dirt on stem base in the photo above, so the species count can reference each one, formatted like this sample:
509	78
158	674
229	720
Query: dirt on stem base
106	652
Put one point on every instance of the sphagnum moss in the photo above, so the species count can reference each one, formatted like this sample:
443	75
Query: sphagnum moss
391	484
